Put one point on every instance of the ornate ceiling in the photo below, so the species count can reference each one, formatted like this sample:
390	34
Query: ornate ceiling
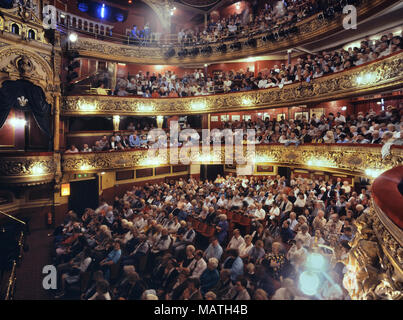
200	4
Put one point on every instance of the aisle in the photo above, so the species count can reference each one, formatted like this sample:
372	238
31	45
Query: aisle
29	274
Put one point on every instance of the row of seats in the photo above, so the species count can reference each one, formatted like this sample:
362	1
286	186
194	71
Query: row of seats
233	219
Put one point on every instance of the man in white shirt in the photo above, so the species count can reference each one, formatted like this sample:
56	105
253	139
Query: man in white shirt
236	240
259	214
293	221
274	211
198	265
262	83
340	118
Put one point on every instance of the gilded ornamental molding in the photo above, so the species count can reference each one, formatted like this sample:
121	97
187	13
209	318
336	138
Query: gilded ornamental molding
375	262
29	170
347	158
310	29
380	75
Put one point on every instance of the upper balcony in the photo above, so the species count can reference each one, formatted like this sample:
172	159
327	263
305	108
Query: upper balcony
379	75
100	43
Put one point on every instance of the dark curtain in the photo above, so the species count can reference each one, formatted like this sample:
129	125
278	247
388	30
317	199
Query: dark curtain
12	90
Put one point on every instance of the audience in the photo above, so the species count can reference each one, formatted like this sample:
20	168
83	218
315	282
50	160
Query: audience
307	68
369	128
135	256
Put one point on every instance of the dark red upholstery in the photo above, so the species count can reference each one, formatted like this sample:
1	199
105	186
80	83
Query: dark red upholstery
387	196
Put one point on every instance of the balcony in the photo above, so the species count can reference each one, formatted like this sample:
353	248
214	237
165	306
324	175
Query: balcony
375	267
308	30
363	160
29	168
380	75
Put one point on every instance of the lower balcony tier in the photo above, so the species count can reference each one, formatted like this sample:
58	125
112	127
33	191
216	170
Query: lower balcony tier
363	160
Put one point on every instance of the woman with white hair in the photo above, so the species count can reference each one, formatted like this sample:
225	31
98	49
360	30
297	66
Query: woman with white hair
329	137
304	236
346	187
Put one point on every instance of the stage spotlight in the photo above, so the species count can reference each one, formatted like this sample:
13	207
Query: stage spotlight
73	37
206	50
309	283
222	48
195	51
170	53
183	53
251	42
236	46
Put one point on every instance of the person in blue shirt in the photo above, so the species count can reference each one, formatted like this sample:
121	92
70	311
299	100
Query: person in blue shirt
210	277
286	233
134	141
147	94
222	228
111	259
234	263
347	235
214	250
143	140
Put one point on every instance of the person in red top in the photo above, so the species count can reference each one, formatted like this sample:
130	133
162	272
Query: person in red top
173	94
155	94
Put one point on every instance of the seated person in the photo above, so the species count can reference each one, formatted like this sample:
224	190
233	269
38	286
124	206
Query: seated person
112	258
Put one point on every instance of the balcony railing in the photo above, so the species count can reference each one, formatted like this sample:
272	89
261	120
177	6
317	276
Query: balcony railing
375	264
115	47
28	168
380	75
358	159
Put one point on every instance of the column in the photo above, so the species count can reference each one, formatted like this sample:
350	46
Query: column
160	121
116	122
205	20
56	116
115	72
289	56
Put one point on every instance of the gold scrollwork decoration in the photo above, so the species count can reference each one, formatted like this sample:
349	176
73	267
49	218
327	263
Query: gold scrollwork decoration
377	76
354	159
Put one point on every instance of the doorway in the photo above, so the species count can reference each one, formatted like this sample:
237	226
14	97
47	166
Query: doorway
284	172
84	194
210	171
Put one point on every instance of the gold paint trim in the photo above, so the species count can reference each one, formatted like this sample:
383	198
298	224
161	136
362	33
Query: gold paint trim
384	74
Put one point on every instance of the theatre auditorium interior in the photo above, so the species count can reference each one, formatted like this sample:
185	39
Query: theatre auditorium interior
201	150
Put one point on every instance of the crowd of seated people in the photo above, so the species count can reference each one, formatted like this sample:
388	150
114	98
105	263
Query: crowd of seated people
268	19
145	244
306	69
369	128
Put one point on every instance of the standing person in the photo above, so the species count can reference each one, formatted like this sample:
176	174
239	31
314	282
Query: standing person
222	228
